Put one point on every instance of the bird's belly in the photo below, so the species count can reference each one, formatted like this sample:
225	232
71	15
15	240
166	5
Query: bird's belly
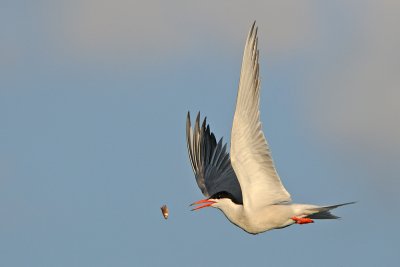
258	222
256	227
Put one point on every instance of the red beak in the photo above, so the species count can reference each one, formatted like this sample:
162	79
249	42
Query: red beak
207	201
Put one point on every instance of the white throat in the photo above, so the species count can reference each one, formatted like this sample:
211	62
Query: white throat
233	212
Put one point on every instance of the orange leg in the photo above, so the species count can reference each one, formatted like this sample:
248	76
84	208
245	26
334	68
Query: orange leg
302	220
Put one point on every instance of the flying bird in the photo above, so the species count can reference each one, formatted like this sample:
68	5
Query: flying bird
245	186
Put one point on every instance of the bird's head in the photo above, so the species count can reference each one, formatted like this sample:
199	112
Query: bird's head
218	200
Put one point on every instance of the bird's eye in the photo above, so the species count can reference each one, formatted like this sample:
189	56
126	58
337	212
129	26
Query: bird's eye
220	195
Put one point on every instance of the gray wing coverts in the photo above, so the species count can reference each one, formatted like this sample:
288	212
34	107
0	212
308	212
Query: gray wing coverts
210	161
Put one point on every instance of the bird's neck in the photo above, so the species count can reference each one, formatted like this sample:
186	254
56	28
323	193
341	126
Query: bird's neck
234	213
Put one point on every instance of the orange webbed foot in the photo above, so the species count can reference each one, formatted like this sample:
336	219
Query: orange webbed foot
302	220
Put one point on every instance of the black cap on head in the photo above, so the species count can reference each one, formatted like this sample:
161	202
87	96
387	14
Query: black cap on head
225	194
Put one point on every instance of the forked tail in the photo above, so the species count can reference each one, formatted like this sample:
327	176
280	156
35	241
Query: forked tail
324	212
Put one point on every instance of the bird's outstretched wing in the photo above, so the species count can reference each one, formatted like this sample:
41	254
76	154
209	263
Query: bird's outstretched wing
250	154
210	161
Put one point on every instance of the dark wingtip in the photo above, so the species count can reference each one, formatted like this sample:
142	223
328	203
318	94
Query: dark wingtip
188	123
203	126
253	25
253	29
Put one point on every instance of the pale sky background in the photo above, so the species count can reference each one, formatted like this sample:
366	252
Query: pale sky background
93	102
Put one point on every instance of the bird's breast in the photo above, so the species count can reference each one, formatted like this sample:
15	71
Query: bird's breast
268	218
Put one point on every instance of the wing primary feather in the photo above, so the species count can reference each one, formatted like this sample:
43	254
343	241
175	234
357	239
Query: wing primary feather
216	152
220	157
189	141
210	161
250	154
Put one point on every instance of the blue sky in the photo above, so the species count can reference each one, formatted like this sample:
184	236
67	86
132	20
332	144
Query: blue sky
93	101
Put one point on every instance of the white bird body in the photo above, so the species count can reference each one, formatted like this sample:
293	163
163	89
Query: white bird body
260	220
266	218
246	186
